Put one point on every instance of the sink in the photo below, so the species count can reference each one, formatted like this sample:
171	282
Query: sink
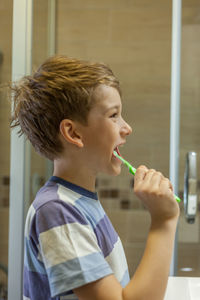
183	288
194	288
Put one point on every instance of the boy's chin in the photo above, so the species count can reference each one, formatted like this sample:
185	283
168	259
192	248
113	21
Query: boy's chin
115	171
112	170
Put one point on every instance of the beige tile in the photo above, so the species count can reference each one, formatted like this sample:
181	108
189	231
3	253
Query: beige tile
191	15
135	54
4	278
91	25
188	233
132	226
134	252
188	257
4	221
124	26
5	76
4	254
110	4
76	49
189	3
110	204
138	223
119	221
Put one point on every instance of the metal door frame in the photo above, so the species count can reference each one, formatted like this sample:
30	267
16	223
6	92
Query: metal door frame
175	110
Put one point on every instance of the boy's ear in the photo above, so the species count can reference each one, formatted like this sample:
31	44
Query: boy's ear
70	132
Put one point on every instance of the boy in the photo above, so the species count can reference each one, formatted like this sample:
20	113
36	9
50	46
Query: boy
70	110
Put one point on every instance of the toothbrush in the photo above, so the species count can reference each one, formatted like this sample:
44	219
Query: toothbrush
132	170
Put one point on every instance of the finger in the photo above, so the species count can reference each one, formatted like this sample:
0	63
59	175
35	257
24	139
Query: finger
149	175
140	173
165	185
156	179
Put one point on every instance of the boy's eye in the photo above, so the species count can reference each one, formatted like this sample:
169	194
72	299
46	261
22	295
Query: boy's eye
115	115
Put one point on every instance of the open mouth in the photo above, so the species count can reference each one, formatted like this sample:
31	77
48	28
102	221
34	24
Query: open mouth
117	150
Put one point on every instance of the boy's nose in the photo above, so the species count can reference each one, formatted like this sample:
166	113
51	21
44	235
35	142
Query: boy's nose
126	128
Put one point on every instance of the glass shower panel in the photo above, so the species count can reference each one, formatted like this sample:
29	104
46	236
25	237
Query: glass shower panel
39	165
5	78
134	38
189	236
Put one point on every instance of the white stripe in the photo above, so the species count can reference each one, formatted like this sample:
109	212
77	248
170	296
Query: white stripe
29	218
68	196
66	242
25	298
117	260
39	256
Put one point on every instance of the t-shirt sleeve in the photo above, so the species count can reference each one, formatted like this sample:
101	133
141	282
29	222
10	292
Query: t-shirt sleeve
68	247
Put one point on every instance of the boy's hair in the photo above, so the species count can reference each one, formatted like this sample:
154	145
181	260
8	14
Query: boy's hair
62	88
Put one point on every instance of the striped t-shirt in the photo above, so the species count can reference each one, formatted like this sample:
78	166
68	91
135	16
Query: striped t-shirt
69	242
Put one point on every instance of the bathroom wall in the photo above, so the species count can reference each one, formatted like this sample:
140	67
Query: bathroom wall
133	37
5	77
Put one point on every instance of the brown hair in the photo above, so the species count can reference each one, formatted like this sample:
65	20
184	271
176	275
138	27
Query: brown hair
61	88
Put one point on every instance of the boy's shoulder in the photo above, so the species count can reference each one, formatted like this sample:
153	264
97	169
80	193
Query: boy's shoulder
61	199
54	205
54	190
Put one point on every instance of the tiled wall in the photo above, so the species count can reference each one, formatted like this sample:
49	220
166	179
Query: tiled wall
134	39
5	77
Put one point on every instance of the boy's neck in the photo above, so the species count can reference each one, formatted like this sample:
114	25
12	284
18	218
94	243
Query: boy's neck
74	174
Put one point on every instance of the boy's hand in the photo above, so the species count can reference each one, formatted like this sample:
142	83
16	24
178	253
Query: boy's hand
156	193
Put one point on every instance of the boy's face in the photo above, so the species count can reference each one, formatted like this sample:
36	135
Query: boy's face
105	131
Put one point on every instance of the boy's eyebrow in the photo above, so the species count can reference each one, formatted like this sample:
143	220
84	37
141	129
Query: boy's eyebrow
112	107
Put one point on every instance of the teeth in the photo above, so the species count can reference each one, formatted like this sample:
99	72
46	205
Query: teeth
117	149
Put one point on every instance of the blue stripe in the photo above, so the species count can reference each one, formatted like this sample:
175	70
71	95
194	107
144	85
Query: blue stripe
106	236
125	280
47	193
91	209
30	260
77	272
57	213
103	228
39	287
74	187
